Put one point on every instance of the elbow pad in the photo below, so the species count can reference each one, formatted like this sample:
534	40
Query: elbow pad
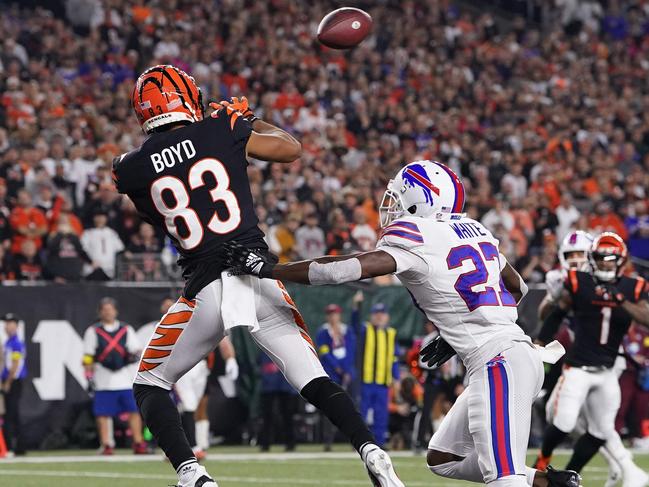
335	272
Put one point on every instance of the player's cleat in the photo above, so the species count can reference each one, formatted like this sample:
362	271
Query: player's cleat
542	462
634	476
379	467
195	475
614	474
562	478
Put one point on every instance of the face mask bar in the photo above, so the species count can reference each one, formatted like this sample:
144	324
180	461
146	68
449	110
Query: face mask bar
390	208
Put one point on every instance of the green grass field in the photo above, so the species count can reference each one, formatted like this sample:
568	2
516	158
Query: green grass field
233	467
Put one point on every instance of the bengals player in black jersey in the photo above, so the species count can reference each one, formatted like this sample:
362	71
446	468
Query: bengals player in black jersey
189	178
604	304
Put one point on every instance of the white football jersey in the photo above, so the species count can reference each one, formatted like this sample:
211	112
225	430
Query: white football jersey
451	268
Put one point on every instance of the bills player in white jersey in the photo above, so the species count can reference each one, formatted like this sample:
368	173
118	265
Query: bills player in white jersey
573	254
451	266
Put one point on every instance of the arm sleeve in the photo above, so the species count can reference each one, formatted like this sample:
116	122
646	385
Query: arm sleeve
90	341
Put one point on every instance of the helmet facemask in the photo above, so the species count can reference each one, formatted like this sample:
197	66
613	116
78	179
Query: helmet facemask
609	271
391	206
574	259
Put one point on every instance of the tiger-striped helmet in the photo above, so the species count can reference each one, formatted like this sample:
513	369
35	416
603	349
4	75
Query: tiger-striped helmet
164	94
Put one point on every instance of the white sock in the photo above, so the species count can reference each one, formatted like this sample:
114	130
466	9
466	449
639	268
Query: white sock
186	471
203	434
530	473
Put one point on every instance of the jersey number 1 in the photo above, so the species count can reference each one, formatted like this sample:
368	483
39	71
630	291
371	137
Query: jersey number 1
467	281
182	210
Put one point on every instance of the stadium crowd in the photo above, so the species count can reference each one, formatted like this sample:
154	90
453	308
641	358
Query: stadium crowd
549	129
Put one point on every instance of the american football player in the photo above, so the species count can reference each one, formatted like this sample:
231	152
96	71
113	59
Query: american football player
451	266
189	178
604	303
573	254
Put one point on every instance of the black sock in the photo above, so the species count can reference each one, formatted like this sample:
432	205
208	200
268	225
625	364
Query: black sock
552	437
336	404
586	447
161	416
189	425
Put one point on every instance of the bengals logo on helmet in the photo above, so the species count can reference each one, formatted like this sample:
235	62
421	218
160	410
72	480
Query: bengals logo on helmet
164	94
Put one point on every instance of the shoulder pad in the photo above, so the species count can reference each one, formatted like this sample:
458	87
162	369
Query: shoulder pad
402	233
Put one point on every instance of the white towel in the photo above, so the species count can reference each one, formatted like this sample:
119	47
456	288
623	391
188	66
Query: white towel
238	306
552	352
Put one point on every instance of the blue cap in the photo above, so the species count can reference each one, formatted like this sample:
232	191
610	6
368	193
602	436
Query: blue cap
379	308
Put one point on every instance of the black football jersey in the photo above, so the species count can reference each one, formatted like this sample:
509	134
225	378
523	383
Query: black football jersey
599	325
192	182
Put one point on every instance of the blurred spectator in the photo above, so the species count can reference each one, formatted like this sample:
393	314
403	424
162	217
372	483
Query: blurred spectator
637	225
111	351
633	415
567	216
66	256
27	264
405	401
378	352
310	239
498	215
362	234
6	270
14	372
605	220
277	398
336	343
28	223
281	238
102	244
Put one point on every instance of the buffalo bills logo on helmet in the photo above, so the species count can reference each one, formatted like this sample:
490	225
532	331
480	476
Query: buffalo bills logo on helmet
415	175
573	239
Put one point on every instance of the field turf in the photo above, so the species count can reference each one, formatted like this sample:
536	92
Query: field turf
234	467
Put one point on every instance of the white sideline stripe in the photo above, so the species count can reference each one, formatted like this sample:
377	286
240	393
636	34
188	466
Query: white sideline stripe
231	457
142	476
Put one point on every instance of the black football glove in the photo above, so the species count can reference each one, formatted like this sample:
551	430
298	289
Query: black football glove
436	352
247	261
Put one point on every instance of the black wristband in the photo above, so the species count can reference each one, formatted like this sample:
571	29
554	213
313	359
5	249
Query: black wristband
266	271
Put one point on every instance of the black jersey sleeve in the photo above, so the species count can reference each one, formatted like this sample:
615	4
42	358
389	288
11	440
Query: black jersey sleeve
115	168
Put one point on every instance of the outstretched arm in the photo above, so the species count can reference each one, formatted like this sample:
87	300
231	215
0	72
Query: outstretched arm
324	270
270	143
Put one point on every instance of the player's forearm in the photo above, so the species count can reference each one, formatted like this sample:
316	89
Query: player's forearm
638	311
322	271
551	325
262	127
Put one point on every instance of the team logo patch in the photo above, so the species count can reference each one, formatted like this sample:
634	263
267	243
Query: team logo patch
415	176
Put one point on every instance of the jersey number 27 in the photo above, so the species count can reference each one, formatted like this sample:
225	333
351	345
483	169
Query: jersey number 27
181	208
468	281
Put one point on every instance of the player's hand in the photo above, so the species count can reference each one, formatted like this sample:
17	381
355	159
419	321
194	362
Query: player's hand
247	261
357	299
231	368
436	352
238	104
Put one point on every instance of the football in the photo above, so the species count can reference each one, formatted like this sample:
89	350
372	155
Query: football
344	28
